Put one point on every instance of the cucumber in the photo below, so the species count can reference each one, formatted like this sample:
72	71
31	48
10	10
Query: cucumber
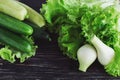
15	25
33	16
13	9
14	41
38	32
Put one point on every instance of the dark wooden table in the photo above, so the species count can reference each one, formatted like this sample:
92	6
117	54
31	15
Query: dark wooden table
49	63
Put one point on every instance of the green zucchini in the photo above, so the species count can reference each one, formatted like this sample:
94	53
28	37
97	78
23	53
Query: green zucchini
13	9
14	41
15	25
34	16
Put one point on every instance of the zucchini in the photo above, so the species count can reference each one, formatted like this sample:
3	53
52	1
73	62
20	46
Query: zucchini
33	16
13	9
15	41
15	25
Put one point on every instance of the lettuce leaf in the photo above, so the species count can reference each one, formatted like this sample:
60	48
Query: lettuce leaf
76	21
54	14
104	24
70	39
11	55
113	68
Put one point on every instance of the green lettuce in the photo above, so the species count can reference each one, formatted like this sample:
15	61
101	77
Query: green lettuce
104	25
52	12
70	39
77	21
11	55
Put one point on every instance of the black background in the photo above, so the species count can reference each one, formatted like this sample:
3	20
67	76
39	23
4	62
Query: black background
49	63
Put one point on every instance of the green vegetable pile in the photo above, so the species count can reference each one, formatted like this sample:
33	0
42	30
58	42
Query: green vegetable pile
19	24
78	21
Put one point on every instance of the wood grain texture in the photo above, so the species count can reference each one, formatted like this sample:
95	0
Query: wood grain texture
49	63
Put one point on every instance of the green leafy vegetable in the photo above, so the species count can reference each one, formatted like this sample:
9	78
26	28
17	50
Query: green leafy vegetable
77	21
113	68
70	40
52	12
10	54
